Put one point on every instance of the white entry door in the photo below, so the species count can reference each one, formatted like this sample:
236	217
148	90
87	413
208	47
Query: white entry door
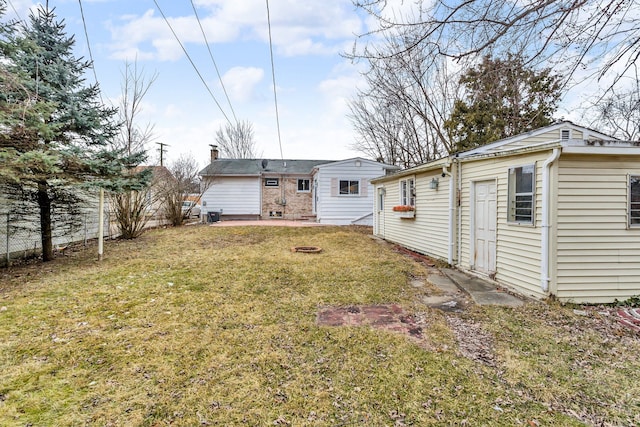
485	216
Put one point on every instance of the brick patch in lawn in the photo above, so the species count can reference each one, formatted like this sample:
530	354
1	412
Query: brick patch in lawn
389	317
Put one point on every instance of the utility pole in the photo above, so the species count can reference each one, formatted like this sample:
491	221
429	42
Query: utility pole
162	151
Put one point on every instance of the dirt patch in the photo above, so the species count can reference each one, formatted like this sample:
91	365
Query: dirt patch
388	317
473	341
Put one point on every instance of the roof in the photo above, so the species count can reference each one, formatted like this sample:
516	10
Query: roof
157	171
566	124
380	164
595	143
257	167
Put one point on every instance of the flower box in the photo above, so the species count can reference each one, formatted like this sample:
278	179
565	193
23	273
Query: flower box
404	208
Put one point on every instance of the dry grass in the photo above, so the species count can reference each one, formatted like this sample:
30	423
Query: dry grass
216	326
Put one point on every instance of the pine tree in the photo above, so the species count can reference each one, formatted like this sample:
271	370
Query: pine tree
61	146
503	98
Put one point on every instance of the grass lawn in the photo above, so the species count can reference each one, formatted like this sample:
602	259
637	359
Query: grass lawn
217	326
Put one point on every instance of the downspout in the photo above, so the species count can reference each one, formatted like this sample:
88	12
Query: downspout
445	172
546	211
459	208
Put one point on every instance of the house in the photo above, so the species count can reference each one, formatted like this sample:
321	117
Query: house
327	191
552	212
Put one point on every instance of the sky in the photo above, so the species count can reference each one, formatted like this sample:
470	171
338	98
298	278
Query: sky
313	80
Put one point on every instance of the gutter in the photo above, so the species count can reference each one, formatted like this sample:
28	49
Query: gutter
546	210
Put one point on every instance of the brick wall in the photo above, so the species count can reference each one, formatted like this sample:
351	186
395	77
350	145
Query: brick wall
299	204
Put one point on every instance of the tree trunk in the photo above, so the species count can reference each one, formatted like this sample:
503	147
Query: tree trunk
44	203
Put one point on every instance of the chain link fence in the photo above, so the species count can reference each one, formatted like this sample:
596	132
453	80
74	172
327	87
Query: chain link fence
20	234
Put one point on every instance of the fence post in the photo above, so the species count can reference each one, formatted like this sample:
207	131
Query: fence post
101	225
8	227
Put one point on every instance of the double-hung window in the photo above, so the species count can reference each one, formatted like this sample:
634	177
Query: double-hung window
304	185
407	192
349	187
521	194
634	200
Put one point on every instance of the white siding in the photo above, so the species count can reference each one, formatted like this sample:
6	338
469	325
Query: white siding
234	195
333	208
551	135
598	256
427	233
517	246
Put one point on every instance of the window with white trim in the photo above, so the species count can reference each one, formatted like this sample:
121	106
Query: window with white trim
634	200
521	194
407	192
349	187
304	185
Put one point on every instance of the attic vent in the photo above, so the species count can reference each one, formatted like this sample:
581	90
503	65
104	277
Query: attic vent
565	134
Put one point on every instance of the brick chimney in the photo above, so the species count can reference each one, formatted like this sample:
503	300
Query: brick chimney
214	152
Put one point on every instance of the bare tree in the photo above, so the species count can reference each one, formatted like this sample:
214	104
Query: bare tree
590	36
134	87
237	141
618	113
185	181
133	207
399	117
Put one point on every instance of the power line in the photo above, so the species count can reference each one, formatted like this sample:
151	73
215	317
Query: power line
273	77
191	61
15	11
214	61
86	34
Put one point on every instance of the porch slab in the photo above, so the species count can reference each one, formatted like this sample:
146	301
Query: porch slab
443	282
481	291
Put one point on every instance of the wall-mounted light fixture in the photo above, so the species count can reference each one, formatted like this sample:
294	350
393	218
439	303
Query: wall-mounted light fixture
434	184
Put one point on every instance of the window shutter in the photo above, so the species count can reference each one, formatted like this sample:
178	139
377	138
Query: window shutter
334	187
364	187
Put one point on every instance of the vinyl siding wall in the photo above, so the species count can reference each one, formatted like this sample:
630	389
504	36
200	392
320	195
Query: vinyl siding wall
334	208
598	256
553	135
517	246
427	233
234	195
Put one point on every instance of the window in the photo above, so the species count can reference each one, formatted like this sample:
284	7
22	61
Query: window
271	182
350	188
407	192
634	200
521	200
304	186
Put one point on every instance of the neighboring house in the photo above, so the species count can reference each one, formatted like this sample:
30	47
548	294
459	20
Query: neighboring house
552	212
331	192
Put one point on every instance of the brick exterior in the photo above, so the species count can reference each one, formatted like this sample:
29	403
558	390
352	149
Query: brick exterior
298	204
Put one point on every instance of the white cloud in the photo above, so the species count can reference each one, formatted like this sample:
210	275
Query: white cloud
242	81
298	28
